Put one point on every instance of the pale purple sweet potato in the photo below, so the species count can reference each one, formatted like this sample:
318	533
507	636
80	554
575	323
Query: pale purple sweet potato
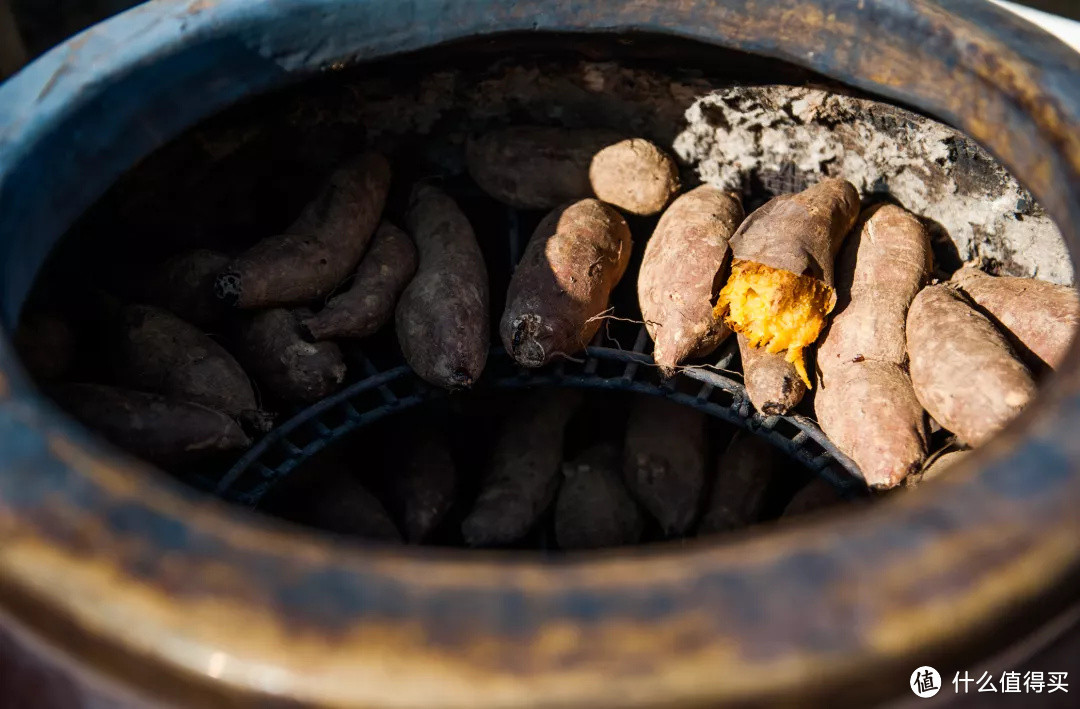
442	317
286	365
524	472
165	431
320	249
683	269
385	270
664	461
564	281
594	509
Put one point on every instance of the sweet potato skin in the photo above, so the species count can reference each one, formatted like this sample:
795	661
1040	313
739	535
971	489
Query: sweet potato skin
161	430
815	496
684	265
564	281
634	175
385	270
523	477
160	353
184	285
772	383
283	362
964	372
442	316
536	167
425	485
1041	318
320	249
594	510
664	462
865	403
743	474
338	503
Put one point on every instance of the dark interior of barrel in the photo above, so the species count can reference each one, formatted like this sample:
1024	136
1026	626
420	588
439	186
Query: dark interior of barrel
753	125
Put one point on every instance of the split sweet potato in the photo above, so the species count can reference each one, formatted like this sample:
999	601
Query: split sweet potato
780	291
684	265
965	373
320	249
536	167
564	281
865	401
743	474
160	353
165	431
524	473
184	285
385	270
442	316
594	510
283	362
664	462
1039	317
634	175
773	383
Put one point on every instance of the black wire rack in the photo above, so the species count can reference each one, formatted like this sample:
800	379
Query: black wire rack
391	389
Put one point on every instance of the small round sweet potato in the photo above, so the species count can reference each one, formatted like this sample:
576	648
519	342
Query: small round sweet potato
283	362
964	372
594	509
1039	317
320	249
634	175
159	429
442	317
536	167
158	352
684	266
564	281
369	303
664	461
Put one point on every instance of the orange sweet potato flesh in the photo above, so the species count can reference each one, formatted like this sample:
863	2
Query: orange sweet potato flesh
564	281
320	249
866	403
965	373
1039	317
442	317
684	264
780	291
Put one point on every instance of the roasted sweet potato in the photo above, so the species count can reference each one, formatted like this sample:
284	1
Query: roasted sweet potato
964	371
1039	317
184	285
685	263
338	503
564	281
634	175
664	462
817	495
865	401
320	249
369	303
425	485
165	431
160	353
442	317
772	382
536	167
780	291
524	472
743	474
594	509
937	468
283	362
